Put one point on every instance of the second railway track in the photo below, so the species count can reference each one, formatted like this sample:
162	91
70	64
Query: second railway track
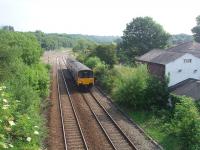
114	132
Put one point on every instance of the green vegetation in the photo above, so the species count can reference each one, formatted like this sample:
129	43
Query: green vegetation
106	53
24	83
145	98
196	30
141	35
145	91
78	42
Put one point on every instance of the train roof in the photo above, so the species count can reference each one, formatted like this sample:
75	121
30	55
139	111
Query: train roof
79	66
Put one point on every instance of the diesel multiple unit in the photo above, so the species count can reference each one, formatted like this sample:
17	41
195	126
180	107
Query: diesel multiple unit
82	75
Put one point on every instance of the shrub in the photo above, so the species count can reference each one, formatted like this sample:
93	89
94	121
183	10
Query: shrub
106	53
136	88
157	92
21	123
92	62
186	123
130	86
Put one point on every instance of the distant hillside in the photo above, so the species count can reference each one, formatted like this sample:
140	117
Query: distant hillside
53	41
96	38
180	38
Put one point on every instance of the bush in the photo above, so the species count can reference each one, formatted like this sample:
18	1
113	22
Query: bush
186	123
144	91
18	126
27	82
157	92
106	53
81	57
92	62
130	86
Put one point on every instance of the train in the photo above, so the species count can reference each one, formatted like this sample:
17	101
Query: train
82	75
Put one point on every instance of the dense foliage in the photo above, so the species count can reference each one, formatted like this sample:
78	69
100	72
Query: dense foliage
196	30
24	83
106	53
144	91
185	123
141	35
54	41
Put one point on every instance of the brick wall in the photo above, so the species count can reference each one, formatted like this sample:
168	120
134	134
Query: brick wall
156	69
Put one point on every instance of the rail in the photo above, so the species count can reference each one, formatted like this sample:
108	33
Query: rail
60	107
116	125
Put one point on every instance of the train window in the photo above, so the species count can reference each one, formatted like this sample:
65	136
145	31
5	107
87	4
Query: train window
85	74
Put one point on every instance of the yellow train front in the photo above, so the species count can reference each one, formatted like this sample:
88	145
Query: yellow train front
82	75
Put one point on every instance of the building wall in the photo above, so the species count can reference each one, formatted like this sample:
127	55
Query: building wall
156	69
187	66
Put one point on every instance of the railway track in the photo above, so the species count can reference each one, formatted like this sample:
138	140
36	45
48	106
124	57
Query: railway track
72	133
117	137
132	130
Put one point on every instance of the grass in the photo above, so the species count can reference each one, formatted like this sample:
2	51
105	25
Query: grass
155	128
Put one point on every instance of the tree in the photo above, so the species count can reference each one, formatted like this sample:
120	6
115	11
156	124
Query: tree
143	34
106	53
196	30
8	28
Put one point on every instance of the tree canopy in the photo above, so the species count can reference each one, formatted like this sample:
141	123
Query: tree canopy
196	30
106	53
143	34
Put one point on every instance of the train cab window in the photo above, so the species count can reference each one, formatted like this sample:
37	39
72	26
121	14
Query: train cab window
85	74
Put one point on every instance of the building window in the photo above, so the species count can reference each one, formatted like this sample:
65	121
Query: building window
187	60
179	70
195	71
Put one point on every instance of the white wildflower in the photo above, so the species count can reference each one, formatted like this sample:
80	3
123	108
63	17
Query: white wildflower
5	100
28	139
5	146
17	101
36	132
36	126
12	123
10	145
5	107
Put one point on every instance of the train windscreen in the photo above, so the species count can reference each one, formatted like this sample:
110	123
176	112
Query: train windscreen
85	74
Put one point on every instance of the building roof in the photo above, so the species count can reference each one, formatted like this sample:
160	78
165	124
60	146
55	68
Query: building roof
186	47
189	87
168	55
160	56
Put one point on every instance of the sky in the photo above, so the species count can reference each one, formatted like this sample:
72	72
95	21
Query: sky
97	17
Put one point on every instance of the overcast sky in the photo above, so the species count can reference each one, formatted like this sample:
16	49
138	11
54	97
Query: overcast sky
97	17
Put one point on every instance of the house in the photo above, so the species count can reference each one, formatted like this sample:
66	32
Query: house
178	63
